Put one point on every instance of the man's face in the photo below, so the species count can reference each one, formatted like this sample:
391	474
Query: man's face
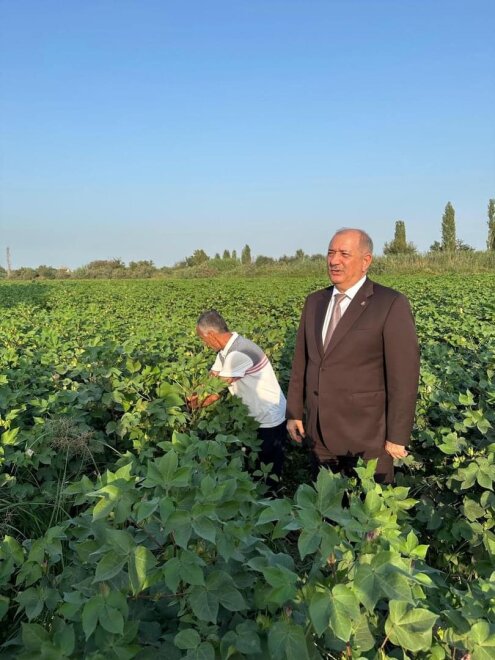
347	263
209	338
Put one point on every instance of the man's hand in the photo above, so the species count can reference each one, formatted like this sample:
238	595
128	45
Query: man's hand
211	398
194	403
295	429
396	451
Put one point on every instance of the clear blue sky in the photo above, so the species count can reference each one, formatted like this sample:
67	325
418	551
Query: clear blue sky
145	129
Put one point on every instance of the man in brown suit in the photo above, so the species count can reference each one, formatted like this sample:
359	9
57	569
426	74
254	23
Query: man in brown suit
356	365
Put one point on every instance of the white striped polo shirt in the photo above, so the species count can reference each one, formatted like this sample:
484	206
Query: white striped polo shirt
257	385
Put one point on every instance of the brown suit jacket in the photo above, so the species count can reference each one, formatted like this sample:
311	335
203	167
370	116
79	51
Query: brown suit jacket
362	391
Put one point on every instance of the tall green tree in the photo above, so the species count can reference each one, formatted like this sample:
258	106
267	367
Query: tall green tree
226	254
490	243
399	245
234	255
246	255
448	229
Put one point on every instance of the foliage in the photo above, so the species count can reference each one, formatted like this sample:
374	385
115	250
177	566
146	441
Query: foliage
133	528
448	229
490	242
399	245
246	255
198	257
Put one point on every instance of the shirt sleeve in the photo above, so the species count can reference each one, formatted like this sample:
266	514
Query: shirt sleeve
217	365
236	364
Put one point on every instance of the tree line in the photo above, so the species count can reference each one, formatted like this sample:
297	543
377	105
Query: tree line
449	243
199	263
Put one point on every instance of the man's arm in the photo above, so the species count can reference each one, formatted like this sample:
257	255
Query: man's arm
235	363
295	395
401	355
193	400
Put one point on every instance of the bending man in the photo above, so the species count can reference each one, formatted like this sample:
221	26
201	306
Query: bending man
250	376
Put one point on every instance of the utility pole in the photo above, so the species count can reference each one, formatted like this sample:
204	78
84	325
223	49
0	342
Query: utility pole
9	263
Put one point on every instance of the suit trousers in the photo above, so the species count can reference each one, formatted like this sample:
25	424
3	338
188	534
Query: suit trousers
322	456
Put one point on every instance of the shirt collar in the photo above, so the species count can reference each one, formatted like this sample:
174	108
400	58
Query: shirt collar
351	291
227	346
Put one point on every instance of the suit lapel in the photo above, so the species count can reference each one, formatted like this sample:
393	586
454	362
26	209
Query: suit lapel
321	310
356	307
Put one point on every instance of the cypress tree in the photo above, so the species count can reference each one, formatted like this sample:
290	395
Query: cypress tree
490	243
246	255
399	245
448	229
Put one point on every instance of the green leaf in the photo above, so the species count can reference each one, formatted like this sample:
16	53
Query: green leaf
306	496
286	641
466	399
133	365
169	394
187	639
366	587
327	490
472	510
172	573
248	641
65	639
231	599
90	615
146	508
372	503
168	466
308	542
319	612
279	576
4	606
204	651
179	524
31	600
109	566
408	627
362	637
275	510
205	528
14	549
204	604
10	437
111	620
121	541
344	608
33	636
329	540
482	637
141	563
111	496
484	479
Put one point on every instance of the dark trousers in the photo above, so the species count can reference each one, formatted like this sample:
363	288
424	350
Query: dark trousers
272	450
345	465
322	456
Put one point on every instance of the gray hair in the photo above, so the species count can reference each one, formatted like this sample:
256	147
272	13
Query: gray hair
365	242
212	320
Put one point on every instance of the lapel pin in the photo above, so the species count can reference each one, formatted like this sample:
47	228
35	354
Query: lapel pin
363	303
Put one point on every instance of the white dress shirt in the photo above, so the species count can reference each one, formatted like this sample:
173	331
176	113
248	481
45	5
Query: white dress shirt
344	304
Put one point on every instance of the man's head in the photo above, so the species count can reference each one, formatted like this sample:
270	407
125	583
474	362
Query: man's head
349	257
212	330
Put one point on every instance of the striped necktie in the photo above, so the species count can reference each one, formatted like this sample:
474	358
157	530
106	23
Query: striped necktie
335	317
